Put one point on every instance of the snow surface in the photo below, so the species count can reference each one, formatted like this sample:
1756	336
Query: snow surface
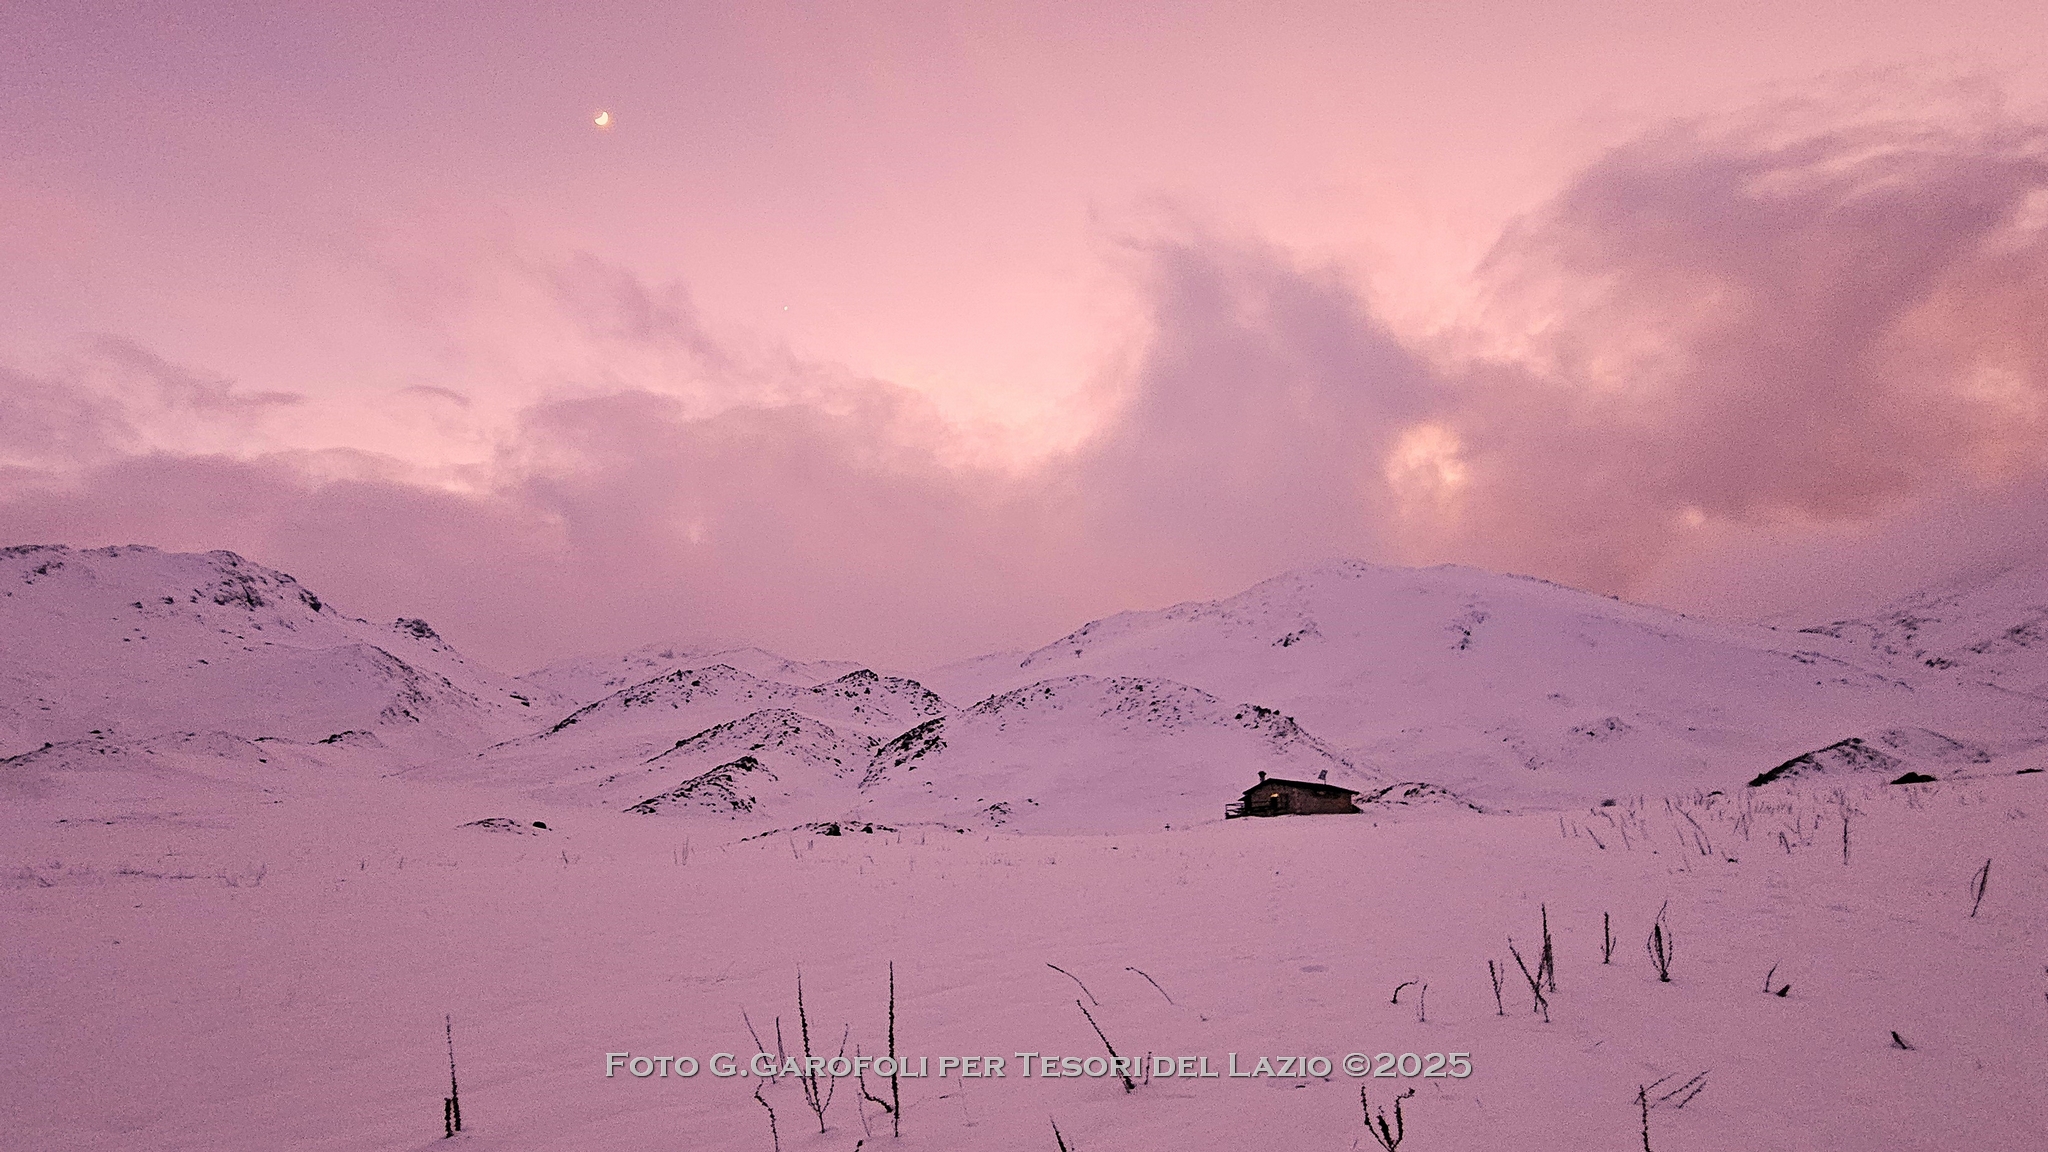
241	894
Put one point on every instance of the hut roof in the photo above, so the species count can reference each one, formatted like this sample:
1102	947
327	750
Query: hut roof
1305	785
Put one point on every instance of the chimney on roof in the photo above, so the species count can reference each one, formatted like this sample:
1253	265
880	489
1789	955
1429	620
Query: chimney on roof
1262	775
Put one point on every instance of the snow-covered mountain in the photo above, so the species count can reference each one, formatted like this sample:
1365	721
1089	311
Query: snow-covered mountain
582	679
135	642
202	904
675	717
1980	629
1501	691
1090	753
777	761
169	770
688	700
1075	753
1510	690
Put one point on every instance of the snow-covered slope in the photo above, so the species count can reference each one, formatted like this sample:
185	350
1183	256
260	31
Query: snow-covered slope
277	971
1900	755
695	698
583	679
776	763
1071	753
1505	689
134	641
656	729
267	937
108	775
1093	753
1982	629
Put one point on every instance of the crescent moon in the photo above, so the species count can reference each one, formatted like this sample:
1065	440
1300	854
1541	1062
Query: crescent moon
604	120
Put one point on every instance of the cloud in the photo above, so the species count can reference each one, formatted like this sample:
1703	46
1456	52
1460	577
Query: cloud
614	520
1250	429
1749	327
436	392
120	368
612	305
1718	343
115	398
50	422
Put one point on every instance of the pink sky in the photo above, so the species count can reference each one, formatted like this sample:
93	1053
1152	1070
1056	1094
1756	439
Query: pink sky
909	331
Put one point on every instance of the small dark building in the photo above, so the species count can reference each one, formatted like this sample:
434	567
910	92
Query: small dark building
1272	796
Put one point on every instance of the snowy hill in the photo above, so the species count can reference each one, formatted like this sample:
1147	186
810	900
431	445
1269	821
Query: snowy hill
1073	753
1504	689
583	679
679	717
776	761
168	769
201	905
689	700
1984	629
134	641
1086	753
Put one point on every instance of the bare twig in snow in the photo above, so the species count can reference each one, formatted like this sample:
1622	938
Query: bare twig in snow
1547	966
895	1095
1644	1102
452	1119
760	1047
774	1136
1535	983
817	1097
1387	1136
1660	945
1116	1061
1149	980
1076	980
1682	1095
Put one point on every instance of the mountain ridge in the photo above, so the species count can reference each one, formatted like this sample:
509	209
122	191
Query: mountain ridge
1497	691
134	639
